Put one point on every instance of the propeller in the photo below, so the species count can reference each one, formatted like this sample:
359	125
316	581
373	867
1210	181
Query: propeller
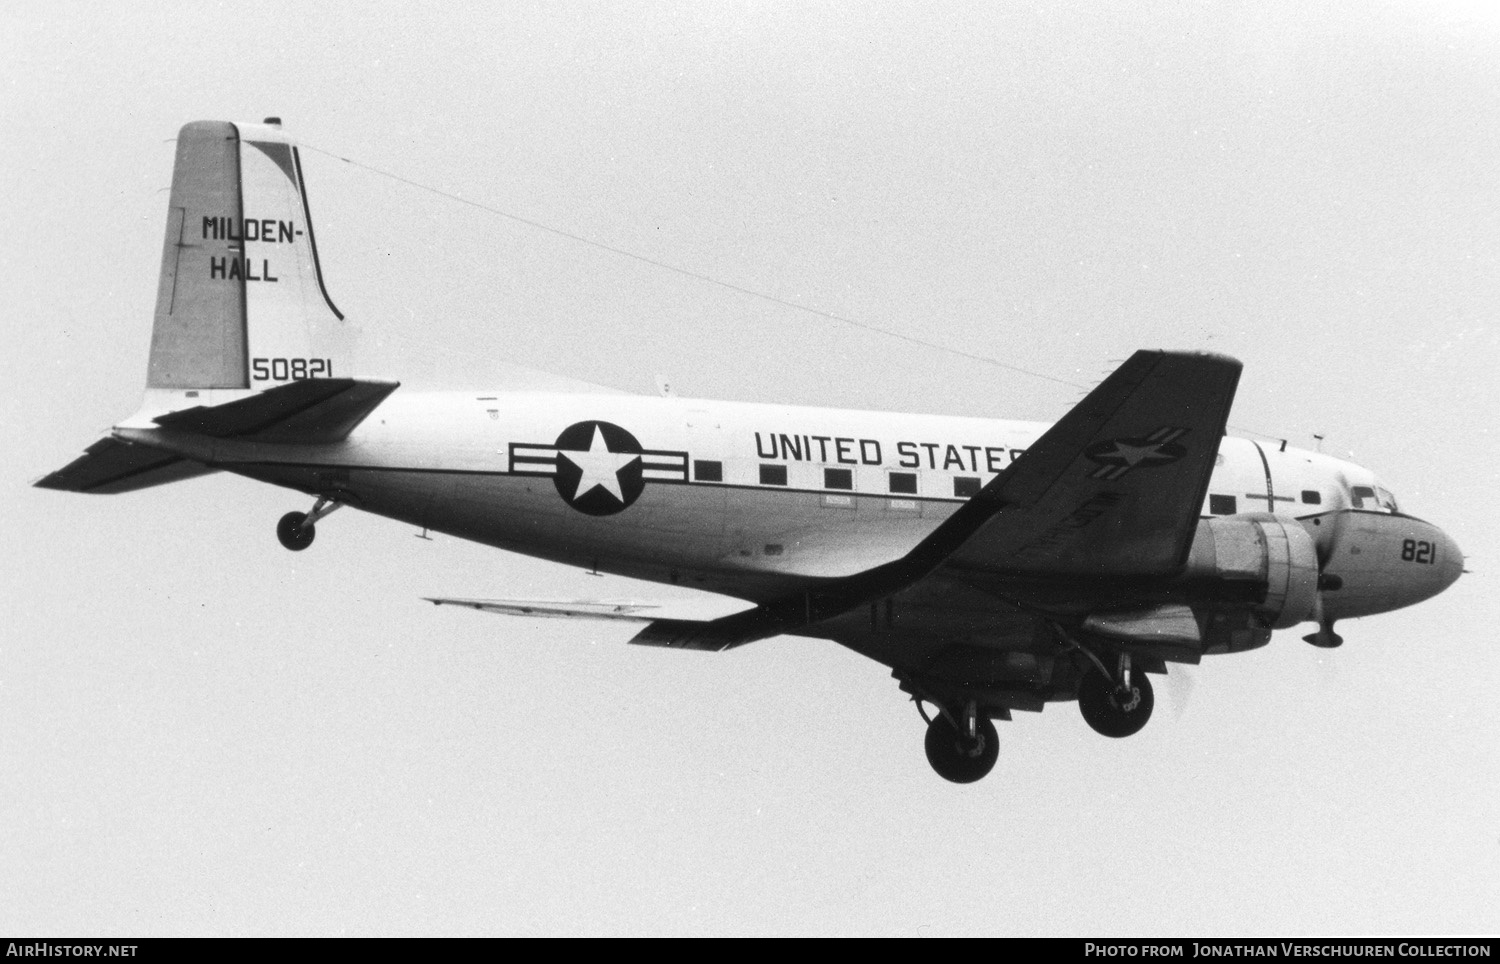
1327	532
1180	684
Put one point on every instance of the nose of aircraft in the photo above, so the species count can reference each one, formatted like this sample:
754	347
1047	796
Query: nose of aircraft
1381	562
1451	562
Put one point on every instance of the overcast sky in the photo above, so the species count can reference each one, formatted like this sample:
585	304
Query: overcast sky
201	733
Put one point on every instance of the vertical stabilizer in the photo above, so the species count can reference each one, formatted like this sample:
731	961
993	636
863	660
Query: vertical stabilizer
242	302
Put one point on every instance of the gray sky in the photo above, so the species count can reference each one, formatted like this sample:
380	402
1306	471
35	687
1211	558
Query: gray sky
202	733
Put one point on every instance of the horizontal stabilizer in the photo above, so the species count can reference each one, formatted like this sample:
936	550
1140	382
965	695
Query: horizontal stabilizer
726	632
311	411
551	610
688	634
111	466
710	634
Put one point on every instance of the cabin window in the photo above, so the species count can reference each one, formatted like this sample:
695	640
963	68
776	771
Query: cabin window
904	483
965	488
773	475
1312	497
1222	505
838	478
1364	497
707	471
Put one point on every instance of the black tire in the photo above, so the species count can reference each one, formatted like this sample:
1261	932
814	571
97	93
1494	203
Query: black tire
293	534
1111	712
957	758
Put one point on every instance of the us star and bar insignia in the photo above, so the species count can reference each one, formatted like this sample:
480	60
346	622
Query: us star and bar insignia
598	468
1117	457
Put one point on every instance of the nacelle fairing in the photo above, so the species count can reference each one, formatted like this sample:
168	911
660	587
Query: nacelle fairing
1326	567
1269	563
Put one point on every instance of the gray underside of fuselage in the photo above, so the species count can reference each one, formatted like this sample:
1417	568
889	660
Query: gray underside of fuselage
687	537
938	629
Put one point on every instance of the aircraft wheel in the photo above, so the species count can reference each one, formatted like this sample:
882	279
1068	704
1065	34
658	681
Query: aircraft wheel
1112	710
957	758
293	534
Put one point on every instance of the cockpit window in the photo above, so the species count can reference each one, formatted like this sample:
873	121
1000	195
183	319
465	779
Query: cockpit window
1373	499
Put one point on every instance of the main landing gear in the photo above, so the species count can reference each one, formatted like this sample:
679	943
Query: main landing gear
961	749
1117	704
296	530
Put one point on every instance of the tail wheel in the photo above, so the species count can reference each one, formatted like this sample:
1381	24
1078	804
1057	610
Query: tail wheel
1115	710
295	532
957	756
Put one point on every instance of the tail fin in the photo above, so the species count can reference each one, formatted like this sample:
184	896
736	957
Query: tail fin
241	306
241	303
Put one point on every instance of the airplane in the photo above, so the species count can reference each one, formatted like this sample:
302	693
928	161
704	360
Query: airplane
993	566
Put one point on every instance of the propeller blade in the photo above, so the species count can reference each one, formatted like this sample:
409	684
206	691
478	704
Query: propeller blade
1327	533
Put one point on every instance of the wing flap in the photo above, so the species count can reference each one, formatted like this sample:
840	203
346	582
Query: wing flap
712	635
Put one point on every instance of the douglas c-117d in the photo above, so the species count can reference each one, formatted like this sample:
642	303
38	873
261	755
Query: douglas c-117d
994	566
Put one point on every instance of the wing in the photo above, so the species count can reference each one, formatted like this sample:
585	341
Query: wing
1116	486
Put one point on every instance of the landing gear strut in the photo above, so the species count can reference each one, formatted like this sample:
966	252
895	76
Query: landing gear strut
961	750
1117	706
296	530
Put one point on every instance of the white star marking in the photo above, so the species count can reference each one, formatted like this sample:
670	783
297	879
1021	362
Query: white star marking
601	467
1133	455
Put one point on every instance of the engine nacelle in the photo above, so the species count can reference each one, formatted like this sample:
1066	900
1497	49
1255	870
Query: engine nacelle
1264	560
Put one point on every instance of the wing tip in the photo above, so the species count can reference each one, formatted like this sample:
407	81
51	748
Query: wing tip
1199	356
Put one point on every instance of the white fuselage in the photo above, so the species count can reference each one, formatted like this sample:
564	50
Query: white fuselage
736	497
